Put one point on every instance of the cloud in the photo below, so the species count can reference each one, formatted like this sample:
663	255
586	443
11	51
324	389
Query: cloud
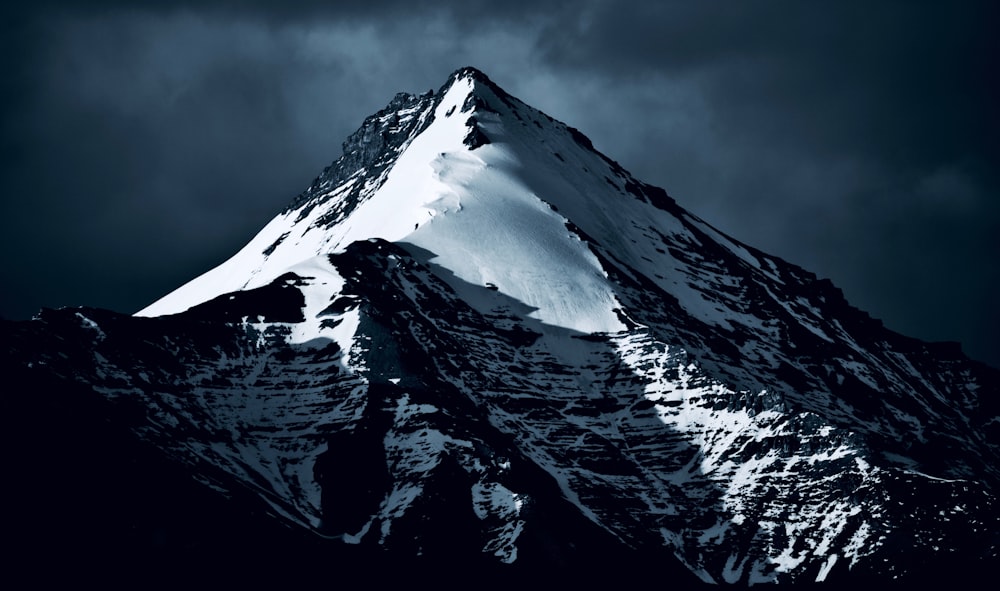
857	140
153	139
156	137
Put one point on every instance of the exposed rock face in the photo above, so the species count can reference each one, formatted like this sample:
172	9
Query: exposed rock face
477	341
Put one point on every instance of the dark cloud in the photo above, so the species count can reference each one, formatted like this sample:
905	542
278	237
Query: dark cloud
142	143
150	144
858	141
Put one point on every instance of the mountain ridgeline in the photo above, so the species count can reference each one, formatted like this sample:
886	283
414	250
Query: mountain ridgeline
477	347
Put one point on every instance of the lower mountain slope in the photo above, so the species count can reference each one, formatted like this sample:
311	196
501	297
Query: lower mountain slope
389	412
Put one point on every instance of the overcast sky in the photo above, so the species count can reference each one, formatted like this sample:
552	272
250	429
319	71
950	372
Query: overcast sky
143	143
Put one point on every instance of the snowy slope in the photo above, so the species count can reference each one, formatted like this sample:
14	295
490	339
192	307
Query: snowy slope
470	209
497	214
473	317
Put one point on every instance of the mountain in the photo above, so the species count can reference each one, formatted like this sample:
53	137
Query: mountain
475	344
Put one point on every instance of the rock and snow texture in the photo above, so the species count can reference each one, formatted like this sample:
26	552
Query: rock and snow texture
474	317
471	208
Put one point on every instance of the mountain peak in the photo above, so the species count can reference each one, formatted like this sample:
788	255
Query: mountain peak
383	134
480	89
470	72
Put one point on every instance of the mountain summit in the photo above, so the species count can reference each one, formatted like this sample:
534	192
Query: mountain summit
476	340
480	180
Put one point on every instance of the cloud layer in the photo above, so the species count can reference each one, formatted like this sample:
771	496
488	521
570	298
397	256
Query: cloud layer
143	143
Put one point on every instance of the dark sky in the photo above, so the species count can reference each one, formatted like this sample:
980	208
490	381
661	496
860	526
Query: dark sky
143	143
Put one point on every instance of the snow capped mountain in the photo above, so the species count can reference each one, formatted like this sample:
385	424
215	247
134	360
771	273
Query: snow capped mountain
476	338
485	217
